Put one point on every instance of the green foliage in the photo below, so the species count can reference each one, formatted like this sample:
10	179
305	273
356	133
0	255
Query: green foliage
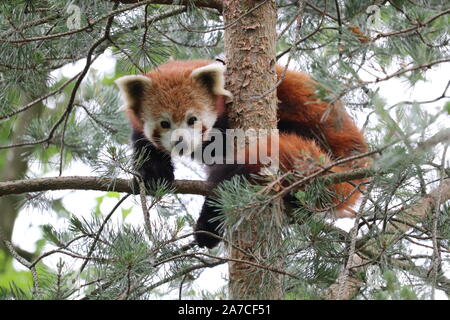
124	261
393	289
447	107
235	194
302	292
12	281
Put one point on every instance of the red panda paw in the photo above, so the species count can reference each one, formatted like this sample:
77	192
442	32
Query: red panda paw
155	176
208	225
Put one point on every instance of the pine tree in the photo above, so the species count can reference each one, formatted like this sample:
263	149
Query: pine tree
398	245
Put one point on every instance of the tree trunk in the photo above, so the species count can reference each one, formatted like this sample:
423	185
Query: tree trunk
15	168
250	53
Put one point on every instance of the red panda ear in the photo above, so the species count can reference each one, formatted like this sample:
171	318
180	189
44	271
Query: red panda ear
212	78
132	89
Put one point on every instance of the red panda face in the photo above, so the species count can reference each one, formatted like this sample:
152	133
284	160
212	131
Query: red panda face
175	105
183	122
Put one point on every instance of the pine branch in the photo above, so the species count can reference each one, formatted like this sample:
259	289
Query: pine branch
93	183
36	101
198	187
213	4
370	251
414	27
88	27
181	186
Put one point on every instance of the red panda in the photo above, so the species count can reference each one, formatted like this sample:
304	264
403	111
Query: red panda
182	102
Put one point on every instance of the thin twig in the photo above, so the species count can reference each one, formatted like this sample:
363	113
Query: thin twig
99	232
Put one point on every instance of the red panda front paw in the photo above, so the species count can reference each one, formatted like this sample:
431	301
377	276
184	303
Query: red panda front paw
156	176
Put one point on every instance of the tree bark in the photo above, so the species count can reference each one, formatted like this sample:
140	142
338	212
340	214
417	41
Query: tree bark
250	53
15	187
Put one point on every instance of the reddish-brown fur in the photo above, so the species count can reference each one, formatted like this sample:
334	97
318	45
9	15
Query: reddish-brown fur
298	103
173	91
305	156
176	91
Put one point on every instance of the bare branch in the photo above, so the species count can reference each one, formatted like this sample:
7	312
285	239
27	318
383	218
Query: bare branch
93	183
213	4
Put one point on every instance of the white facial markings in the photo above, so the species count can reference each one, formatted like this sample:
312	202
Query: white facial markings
152	125
126	85
186	137
181	138
208	119
149	129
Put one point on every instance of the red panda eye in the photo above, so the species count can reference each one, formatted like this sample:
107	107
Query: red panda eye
165	124
191	120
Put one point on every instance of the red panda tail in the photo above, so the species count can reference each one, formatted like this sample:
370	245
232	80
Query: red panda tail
305	158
